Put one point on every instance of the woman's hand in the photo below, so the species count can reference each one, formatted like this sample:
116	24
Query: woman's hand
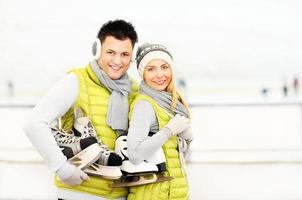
177	124
187	135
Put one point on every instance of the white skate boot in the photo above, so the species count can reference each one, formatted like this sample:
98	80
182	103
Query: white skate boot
159	159
81	152
143	173
108	163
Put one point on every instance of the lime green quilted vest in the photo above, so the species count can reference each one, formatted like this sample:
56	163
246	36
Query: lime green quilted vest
177	188
93	100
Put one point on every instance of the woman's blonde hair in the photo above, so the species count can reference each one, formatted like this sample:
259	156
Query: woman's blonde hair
171	88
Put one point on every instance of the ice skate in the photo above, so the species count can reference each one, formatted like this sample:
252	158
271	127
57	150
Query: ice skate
133	175
158	158
81	152
108	164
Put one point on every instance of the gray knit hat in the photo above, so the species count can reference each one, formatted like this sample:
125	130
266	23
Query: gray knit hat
147	52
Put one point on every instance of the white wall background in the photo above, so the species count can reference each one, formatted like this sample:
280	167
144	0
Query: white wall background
213	42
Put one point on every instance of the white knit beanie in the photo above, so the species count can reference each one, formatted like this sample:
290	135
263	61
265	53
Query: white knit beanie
147	52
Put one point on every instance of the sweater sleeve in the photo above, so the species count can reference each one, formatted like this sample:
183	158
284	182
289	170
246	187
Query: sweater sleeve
140	145
53	105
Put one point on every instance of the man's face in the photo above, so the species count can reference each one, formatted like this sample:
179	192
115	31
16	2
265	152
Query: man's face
115	56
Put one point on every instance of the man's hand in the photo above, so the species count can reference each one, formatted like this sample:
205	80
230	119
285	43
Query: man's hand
71	175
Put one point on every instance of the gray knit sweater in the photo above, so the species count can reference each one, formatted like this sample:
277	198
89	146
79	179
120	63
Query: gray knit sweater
143	121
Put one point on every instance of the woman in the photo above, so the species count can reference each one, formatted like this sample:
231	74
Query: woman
159	109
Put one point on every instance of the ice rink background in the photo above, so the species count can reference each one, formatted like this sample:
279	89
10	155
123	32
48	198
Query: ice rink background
239	152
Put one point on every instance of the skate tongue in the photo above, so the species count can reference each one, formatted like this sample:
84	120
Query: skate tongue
80	123
83	121
78	113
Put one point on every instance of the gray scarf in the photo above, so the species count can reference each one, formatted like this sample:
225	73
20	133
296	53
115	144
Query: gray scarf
163	99
118	108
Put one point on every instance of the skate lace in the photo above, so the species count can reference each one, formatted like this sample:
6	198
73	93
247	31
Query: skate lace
89	130
104	147
105	152
63	137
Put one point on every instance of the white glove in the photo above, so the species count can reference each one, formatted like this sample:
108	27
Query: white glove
71	175
177	124
187	135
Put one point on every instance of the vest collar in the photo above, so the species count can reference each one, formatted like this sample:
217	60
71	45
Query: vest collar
92	74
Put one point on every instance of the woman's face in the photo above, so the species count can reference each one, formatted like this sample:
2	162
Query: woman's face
158	74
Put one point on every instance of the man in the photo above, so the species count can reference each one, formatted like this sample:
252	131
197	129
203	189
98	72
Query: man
102	90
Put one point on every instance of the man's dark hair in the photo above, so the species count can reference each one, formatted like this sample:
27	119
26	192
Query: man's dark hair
119	29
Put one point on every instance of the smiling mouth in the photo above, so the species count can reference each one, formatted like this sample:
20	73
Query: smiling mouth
160	82
115	68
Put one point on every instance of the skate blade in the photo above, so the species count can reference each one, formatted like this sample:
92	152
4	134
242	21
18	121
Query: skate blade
162	178
107	172
139	173
86	157
128	181
136	181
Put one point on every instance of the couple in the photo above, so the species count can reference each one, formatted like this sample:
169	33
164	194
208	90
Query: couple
113	102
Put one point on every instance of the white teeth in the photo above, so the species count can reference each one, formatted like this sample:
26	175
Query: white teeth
115	68
159	82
